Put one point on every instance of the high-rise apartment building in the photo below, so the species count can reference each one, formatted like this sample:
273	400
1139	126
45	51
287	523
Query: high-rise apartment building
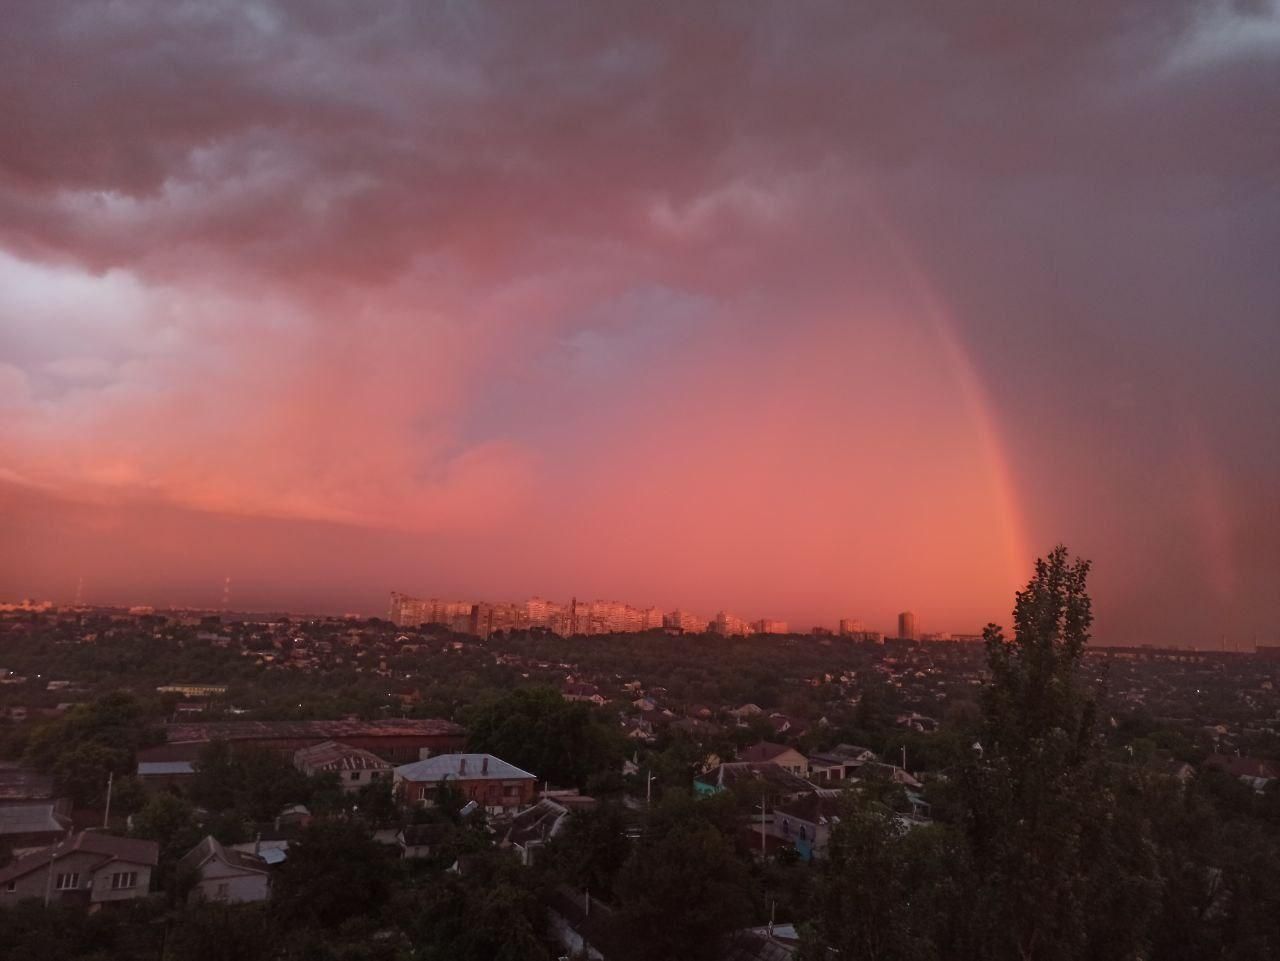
907	626
686	621
850	626
728	625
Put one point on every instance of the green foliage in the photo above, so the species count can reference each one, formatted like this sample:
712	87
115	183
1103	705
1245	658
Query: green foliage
334	872
255	781
560	741
683	890
169	820
592	849
224	932
491	914
881	880
90	742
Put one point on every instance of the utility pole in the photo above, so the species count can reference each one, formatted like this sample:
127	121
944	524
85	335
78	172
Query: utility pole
648	787
764	849
106	814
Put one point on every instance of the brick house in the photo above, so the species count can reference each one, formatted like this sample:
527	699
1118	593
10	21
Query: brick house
495	785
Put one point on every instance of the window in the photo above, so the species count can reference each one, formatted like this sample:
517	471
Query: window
68	882
223	892
11	886
355	775
124	880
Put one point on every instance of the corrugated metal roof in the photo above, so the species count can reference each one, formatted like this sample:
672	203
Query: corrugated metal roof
157	768
466	767
327	730
30	819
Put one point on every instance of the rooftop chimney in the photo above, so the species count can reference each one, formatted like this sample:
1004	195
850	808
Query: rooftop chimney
462	765
484	765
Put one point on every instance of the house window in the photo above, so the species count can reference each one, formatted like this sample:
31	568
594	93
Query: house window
223	892
68	882
124	880
11	886
355	775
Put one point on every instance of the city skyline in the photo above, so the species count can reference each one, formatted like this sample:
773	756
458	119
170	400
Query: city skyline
810	312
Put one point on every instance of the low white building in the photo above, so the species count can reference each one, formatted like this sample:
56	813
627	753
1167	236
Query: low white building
224	874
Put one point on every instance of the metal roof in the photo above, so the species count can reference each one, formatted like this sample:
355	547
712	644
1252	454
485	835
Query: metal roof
463	767
157	768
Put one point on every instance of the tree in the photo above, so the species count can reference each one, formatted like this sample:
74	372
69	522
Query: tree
681	893
223	932
882	887
1065	871
490	914
168	820
592	849
334	871
560	741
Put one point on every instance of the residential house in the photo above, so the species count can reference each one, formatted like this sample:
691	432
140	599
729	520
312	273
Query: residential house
787	758
578	691
225	874
1253	771
807	822
421	840
579	923
89	868
23	784
491	782
354	766
165	774
34	823
776	781
533	827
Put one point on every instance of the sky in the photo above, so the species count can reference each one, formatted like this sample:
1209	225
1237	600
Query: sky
801	310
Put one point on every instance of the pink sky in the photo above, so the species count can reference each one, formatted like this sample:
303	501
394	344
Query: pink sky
804	313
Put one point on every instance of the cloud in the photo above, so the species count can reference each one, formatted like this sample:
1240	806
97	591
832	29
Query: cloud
475	268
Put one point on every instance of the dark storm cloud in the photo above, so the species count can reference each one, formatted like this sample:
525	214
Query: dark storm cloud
1091	189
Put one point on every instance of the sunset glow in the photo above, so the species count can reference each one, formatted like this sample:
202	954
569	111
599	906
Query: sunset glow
734	313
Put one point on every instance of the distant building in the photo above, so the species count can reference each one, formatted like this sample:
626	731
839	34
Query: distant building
769	626
409	611
491	782
850	625
193	690
907	626
164	774
728	625
354	766
395	739
686	621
